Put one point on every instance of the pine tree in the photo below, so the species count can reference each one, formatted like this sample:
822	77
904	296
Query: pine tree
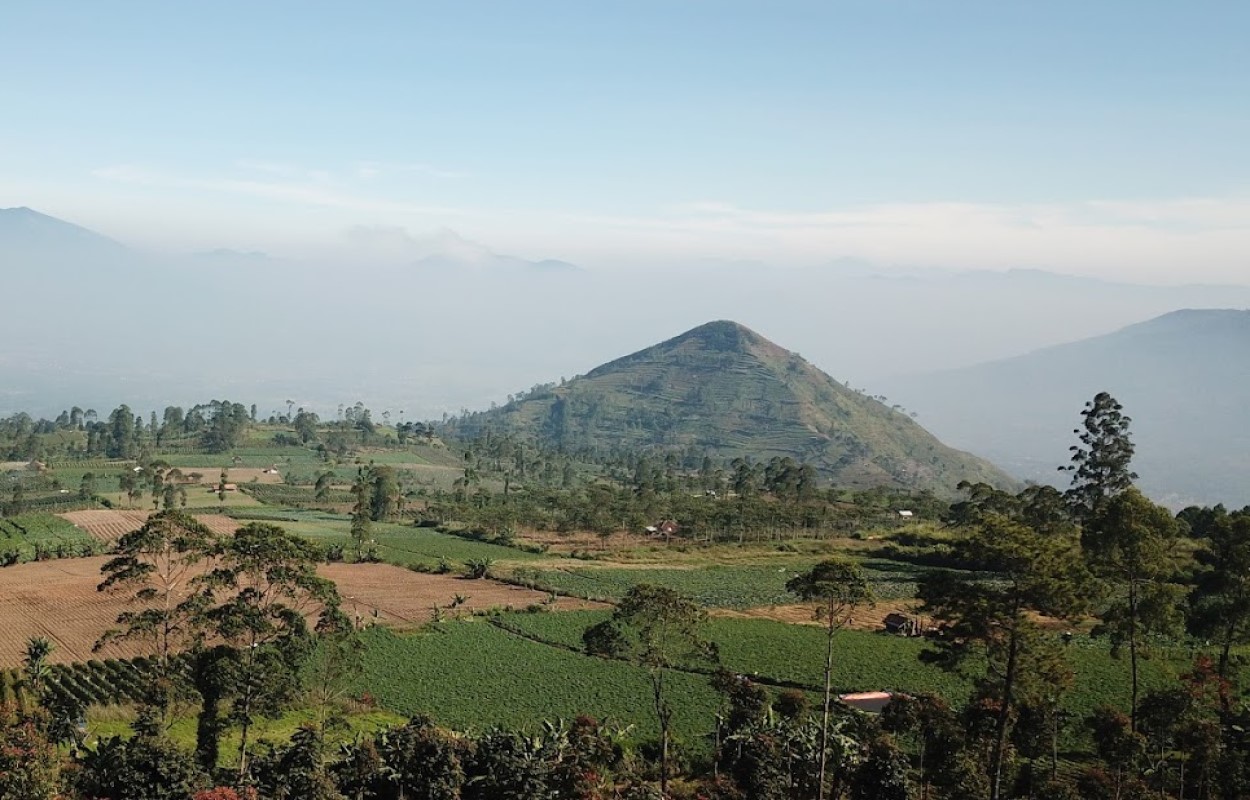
1100	464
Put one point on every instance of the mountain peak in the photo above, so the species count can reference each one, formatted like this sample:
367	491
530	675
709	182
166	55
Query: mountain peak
723	390
722	335
26	227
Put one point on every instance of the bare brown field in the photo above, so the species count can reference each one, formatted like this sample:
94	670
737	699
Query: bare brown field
58	599
402	598
235	475
106	524
110	524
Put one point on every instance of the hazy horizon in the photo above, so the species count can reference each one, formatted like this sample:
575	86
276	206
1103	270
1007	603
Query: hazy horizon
430	207
653	135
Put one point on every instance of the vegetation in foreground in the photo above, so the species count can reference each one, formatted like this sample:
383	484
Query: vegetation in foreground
717	716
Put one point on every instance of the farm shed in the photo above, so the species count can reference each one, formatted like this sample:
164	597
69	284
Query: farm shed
901	624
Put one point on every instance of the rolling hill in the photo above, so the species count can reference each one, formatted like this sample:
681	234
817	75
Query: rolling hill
725	390
1183	377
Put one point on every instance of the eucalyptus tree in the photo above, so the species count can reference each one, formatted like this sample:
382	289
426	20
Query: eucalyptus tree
838	587
657	629
267	584
158	567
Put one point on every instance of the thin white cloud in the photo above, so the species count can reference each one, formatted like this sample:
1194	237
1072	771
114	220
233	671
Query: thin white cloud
1164	241
368	170
1170	240
288	171
308	191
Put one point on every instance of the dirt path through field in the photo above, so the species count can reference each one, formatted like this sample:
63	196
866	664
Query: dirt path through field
864	618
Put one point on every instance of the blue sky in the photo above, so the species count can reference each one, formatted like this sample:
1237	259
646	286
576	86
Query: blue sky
1105	138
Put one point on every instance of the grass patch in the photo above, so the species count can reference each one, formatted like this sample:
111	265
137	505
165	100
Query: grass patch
716	586
106	721
25	532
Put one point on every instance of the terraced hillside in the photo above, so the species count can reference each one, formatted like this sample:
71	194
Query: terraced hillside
725	390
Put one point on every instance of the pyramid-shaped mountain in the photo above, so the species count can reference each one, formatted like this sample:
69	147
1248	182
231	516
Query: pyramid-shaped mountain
724	390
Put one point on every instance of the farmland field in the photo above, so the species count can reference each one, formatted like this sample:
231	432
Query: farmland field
730	586
405	545
475	675
27	532
58	599
109	525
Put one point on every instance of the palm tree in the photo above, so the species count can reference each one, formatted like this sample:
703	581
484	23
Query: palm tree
35	662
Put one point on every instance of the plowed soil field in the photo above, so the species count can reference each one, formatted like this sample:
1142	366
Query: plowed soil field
58	599
109	525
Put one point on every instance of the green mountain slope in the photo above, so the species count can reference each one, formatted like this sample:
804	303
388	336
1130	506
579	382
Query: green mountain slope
727	391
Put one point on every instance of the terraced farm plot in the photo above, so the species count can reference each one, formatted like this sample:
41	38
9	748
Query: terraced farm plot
58	599
106	524
110	524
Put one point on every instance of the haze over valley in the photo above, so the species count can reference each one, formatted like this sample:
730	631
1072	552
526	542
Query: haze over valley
644	400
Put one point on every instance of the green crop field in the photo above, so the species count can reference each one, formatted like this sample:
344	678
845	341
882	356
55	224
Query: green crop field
26	532
723	586
405	545
864	661
474	674
471	675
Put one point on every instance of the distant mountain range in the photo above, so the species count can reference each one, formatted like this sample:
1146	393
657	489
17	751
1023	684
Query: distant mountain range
725	390
439	323
1183	378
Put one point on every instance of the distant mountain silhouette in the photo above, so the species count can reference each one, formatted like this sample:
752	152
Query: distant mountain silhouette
723	389
26	228
453	254
1184	378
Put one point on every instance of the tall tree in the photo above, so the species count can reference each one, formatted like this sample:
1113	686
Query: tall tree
1100	463
657	629
306	426
994	620
323	486
361	508
1130	544
157	566
837	586
271	577
384	493
1219	605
